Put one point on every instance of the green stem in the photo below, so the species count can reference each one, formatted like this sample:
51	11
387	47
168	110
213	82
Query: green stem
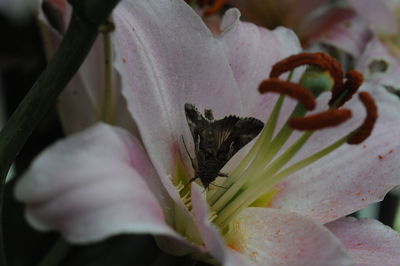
86	19
108	108
56	254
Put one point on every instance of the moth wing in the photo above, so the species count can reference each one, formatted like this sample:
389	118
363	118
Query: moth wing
232	133
195	121
224	130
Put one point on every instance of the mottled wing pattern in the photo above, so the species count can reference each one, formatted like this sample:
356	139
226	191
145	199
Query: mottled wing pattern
232	133
216	141
224	130
195	120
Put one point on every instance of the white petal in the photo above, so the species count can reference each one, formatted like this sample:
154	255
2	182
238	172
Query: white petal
92	186
369	242
277	237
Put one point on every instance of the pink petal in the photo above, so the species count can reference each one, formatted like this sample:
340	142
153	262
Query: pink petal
377	14
354	175
81	101
93	185
168	57
379	65
351	36
277	237
213	241
252	51
369	242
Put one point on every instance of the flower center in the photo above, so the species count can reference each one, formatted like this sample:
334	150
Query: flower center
254	180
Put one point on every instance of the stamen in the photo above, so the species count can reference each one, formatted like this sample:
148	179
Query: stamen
321	60
365	129
179	187
187	200
212	216
329	118
291	89
350	87
215	8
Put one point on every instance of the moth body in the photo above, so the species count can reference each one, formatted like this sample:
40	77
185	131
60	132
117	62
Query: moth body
216	141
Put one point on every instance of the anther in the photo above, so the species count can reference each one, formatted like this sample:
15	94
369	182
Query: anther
354	80
329	118
364	131
212	216
215	8
291	89
321	60
180	186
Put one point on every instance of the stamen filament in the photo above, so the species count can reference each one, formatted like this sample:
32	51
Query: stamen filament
268	183
311	159
263	141
263	158
262	180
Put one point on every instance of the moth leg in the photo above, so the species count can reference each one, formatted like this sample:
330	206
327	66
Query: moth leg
190	181
191	159
218	186
223	174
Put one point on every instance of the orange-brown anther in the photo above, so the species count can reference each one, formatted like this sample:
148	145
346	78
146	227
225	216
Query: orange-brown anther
354	80
321	60
291	89
364	131
215	8
329	118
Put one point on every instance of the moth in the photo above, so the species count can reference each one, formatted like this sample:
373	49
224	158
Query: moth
216	141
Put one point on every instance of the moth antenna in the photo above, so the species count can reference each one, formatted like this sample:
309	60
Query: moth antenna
218	186
187	151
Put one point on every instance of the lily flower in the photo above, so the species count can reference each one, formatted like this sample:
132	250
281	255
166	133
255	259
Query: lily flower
285	191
